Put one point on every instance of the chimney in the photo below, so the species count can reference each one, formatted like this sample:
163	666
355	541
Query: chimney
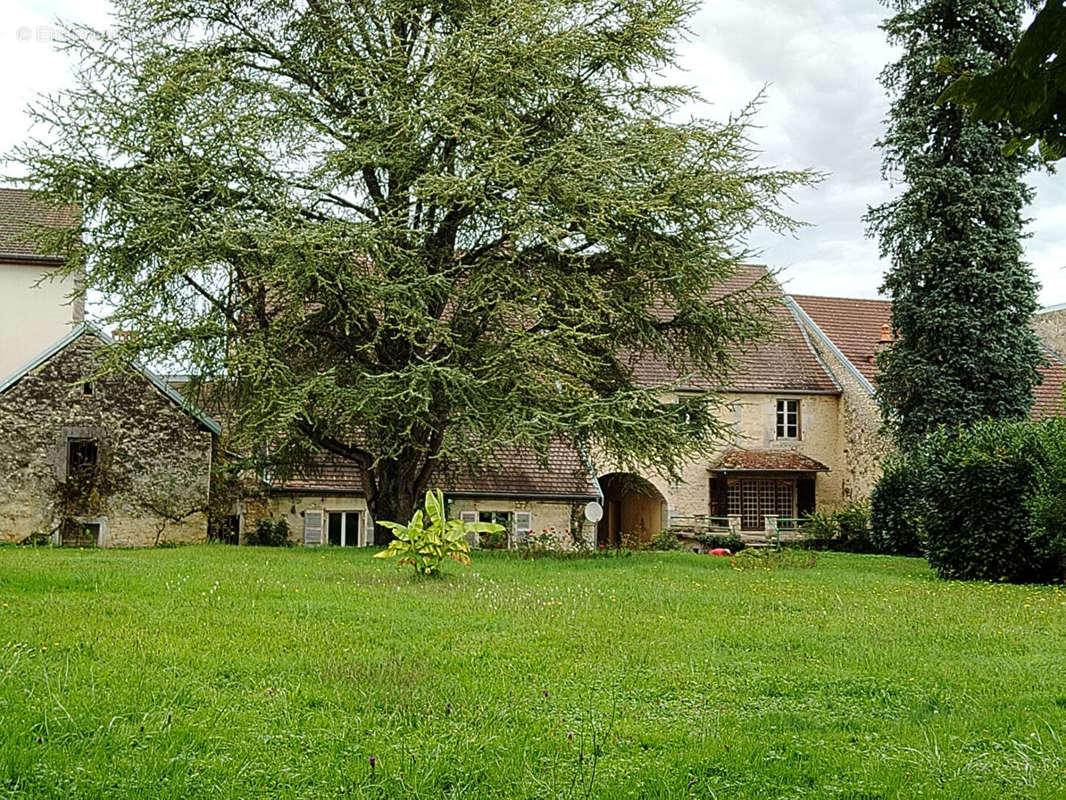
886	334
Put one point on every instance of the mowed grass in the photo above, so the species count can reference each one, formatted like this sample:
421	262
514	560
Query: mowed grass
237	672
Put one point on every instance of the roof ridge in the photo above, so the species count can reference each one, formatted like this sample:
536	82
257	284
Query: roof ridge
864	382
80	330
791	306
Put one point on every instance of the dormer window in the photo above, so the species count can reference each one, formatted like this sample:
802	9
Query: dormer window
788	419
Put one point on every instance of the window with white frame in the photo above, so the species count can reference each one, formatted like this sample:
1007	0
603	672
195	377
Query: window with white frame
788	419
504	518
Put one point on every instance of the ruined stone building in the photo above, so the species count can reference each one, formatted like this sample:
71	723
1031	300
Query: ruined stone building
118	460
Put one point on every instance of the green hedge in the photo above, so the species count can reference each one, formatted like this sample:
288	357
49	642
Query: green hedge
897	507
990	501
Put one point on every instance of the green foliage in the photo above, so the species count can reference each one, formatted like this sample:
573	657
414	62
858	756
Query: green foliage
730	541
898	507
820	526
1029	90
664	540
846	528
961	294
992	497
1048	502
547	544
980	526
441	226
431	537
269	533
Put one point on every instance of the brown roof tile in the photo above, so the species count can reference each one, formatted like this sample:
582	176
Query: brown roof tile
854	326
784	363
20	212
516	473
767	461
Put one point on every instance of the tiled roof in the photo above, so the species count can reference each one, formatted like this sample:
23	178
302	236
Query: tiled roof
786	362
515	473
1048	396
19	214
767	461
854	326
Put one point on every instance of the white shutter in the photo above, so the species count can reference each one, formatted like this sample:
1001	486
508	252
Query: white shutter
368	528
312	528
472	539
523	524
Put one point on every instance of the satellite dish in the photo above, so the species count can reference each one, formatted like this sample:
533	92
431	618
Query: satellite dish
593	511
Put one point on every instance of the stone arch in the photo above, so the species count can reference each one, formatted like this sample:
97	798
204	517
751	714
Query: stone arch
633	510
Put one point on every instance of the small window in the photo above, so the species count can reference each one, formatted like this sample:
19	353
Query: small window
494	540
82	456
523	525
75	533
87	389
342	528
788	419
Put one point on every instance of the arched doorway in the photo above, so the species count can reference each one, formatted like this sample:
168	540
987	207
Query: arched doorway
633	510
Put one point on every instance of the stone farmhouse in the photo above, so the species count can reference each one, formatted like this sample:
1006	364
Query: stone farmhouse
114	460
126	460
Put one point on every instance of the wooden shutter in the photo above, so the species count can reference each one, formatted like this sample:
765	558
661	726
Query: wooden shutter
312	528
719	497
472	539
804	497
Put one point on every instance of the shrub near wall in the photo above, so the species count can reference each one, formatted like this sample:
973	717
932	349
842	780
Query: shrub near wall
898	507
990	493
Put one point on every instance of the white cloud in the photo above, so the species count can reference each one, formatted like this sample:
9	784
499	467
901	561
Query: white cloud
823	109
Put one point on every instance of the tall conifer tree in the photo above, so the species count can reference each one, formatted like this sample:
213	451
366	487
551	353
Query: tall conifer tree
962	295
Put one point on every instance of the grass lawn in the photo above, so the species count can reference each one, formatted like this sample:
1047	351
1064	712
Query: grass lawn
221	672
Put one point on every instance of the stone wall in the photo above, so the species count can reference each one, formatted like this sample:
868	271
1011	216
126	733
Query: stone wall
153	479
753	420
290	507
863	444
1050	326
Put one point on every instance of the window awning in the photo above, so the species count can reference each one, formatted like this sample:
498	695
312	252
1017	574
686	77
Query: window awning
767	461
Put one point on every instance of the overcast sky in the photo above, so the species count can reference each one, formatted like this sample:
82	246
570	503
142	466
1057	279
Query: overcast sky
823	109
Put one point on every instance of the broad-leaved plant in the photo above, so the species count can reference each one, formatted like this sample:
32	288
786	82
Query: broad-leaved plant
431	537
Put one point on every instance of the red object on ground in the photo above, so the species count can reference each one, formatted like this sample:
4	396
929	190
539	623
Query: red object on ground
721	551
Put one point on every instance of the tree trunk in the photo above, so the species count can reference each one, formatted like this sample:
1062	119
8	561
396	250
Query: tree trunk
395	496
